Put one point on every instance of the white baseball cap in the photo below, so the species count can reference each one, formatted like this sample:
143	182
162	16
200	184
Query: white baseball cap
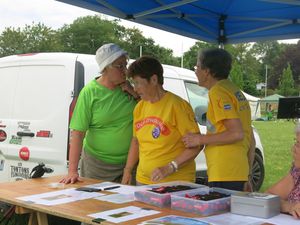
107	54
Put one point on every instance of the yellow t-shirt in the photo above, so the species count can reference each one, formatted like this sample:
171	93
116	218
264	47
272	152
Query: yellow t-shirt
159	128
227	162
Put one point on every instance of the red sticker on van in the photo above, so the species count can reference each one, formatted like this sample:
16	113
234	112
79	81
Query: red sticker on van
3	135
24	153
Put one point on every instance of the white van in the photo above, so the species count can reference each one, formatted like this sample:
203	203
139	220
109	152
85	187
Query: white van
38	94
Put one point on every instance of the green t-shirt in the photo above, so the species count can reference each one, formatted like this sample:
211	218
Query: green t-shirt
106	116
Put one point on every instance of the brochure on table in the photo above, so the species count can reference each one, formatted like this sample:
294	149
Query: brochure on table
124	214
59	197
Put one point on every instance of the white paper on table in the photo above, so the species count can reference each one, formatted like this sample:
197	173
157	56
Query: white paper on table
59	197
231	219
116	198
283	219
124	214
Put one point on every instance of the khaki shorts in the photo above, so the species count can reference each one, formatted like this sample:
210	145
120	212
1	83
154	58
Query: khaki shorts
91	167
97	169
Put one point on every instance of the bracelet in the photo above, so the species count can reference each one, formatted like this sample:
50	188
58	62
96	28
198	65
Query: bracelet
175	165
172	167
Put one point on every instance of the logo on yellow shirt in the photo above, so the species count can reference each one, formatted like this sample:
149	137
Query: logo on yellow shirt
160	127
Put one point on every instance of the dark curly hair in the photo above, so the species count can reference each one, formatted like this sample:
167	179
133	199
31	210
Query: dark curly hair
145	67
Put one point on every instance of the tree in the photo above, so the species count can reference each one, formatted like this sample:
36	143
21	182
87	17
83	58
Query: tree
290	55
268	53
133	40
33	38
87	34
286	83
190	57
236	75
247	67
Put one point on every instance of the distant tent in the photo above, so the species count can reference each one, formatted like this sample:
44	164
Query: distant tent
254	103
270	103
271	99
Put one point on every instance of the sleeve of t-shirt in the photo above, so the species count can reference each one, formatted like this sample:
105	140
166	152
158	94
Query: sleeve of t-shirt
185	118
222	105
83	112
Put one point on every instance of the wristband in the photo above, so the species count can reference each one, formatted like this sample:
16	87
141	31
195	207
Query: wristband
175	165
172	167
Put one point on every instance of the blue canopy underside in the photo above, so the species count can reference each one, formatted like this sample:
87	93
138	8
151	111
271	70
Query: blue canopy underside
215	21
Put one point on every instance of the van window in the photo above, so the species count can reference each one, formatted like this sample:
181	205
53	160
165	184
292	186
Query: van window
8	79
198	98
175	86
42	92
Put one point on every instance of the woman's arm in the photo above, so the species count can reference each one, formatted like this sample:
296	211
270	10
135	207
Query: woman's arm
251	156
74	156
187	155
283	187
233	133
132	159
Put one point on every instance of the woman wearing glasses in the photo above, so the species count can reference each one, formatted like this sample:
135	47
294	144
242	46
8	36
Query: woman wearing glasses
160	121
102	121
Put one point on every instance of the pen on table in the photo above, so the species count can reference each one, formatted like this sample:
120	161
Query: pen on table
110	188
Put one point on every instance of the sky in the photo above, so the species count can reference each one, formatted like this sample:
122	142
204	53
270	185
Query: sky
18	13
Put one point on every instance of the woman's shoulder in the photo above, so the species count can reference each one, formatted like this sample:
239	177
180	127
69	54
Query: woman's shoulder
175	98
295	171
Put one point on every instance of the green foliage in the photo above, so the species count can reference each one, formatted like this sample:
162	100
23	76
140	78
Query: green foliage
236	75
291	55
84	35
286	83
267	53
277	138
244	70
34	38
87	34
190	57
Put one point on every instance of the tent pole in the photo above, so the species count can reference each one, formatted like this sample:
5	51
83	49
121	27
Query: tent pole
266	81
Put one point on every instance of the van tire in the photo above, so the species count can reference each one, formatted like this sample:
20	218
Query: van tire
258	172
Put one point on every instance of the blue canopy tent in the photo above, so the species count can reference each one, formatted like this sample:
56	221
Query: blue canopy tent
215	21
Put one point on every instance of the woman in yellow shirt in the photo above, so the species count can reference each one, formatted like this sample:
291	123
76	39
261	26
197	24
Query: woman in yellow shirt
161	119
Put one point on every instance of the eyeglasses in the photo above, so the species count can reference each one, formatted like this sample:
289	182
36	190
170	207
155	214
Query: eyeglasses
131	81
120	66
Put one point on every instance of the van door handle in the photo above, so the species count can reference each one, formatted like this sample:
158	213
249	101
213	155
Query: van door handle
25	134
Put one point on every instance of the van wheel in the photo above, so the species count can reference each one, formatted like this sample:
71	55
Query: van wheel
258	172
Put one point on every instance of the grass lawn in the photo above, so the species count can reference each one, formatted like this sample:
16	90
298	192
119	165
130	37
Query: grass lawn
277	138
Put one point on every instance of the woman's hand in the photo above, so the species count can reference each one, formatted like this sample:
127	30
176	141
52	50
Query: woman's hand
295	210
70	178
191	140
126	87
161	172
127	176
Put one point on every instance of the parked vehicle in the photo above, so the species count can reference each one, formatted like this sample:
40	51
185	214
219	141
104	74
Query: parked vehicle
38	94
